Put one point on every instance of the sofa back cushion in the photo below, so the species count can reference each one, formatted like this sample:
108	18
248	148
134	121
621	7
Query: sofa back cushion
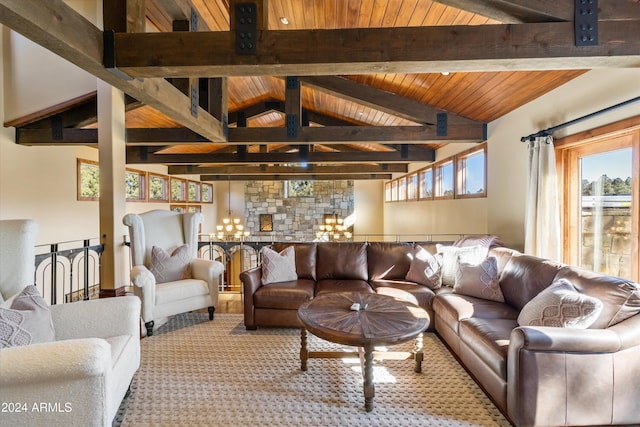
347	260
389	260
305	258
620	297
524	277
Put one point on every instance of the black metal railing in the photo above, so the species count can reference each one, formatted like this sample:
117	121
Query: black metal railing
68	271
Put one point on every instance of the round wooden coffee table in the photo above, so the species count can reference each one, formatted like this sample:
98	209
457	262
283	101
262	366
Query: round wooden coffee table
381	320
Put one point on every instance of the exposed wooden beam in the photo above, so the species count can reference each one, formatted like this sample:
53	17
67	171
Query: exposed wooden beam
351	134
347	168
57	27
537	46
276	135
264	107
310	176
147	155
388	102
515	11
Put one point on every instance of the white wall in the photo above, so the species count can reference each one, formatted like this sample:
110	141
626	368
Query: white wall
502	212
591	92
368	208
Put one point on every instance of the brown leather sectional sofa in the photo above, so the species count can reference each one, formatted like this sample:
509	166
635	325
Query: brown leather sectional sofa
537	376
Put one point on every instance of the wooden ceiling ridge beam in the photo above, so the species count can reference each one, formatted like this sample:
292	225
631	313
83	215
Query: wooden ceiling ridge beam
59	28
380	100
272	135
149	155
519	11
307	176
528	46
347	168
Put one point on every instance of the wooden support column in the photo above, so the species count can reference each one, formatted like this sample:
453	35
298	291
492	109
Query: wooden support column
111	149
218	101
292	106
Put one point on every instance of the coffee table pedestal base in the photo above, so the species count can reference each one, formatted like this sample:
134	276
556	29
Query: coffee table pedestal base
367	356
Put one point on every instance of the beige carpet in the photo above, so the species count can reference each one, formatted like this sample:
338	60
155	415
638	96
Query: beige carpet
200	373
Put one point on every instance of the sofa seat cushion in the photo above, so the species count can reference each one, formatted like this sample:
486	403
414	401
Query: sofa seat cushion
284	295
175	291
489	340
452	308
422	294
342	285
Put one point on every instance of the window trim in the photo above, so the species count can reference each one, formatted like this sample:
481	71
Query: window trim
203	186
79	163
437	178
424	171
412	186
183	185
166	187
460	178
197	192
142	181
578	144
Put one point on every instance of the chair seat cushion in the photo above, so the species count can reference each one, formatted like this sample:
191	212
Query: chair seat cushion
174	291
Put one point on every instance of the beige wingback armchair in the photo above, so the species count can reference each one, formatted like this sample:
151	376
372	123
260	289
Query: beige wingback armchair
80	376
170	230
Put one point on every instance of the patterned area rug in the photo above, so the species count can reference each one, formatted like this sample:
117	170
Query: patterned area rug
200	373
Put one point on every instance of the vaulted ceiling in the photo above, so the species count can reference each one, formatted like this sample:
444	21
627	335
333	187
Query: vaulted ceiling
331	87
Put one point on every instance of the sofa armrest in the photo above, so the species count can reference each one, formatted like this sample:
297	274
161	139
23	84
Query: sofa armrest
570	369
86	319
209	271
542	338
251	281
72	374
144	286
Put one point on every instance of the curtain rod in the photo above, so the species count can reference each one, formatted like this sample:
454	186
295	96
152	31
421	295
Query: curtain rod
549	131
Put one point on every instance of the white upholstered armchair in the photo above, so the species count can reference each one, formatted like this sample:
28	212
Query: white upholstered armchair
167	275
66	364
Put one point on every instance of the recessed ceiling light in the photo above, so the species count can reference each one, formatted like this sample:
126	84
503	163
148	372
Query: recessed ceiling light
284	20
445	73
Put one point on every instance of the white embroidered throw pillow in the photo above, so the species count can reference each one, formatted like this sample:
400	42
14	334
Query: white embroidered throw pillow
451	255
561	305
27	321
169	268
425	268
278	267
480	281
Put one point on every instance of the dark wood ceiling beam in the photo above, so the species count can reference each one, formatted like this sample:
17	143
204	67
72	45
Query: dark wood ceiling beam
515	11
265	107
59	28
309	176
148	155
277	135
536	46
377	99
348	168
351	134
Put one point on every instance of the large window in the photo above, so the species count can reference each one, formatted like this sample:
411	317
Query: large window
425	178
601	200
444	178
88	180
135	185
471	173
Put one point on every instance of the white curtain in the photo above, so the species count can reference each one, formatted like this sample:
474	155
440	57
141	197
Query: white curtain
542	218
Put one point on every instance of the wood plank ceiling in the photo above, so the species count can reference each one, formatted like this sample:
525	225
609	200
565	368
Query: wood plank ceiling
476	97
